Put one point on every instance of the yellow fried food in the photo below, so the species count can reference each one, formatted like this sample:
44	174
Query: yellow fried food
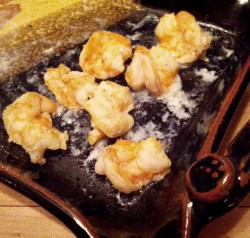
154	69
131	165
104	54
182	36
141	70
28	123
109	109
166	66
71	88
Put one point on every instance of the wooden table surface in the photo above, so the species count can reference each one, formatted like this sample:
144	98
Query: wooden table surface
21	217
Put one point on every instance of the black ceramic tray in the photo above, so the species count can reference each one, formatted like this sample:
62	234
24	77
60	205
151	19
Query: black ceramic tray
67	185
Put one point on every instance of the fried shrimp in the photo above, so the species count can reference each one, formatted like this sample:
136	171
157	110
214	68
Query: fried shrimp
182	36
104	54
131	165
71	88
154	69
166	66
141	71
29	124
109	110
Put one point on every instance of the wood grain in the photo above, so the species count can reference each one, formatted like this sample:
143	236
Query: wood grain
21	217
233	225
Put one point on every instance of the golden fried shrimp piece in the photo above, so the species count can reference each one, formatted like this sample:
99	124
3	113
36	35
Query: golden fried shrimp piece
142	70
131	165
71	88
104	54
166	66
109	109
192	32
154	69
28	123
182	36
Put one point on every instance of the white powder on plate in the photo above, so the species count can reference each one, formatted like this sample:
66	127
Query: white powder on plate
97	150
207	76
178	101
